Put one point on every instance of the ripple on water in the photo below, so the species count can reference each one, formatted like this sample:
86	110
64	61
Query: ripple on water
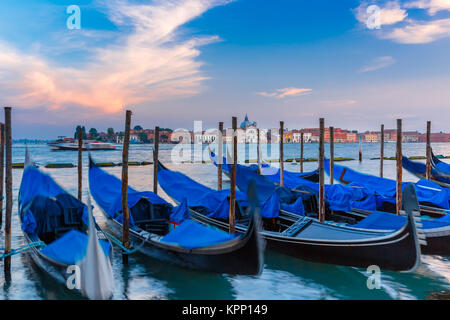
283	277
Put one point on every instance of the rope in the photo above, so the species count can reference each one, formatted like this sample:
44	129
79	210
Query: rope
36	244
120	245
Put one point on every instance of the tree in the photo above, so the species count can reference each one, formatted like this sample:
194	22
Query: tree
110	133
138	128
83	131
142	136
164	138
93	133
121	136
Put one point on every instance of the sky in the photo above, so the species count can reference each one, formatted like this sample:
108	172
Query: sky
358	64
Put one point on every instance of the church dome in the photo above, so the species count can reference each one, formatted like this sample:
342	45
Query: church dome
246	123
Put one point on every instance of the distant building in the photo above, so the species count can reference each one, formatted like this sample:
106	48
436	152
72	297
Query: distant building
370	136
410	136
435	137
246	123
296	136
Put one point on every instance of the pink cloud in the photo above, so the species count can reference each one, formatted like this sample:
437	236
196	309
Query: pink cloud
286	92
148	64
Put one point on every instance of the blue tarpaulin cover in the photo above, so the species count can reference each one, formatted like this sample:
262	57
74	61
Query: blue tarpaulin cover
270	170
192	235
46	201
225	166
296	207
71	247
388	221
271	208
385	189
440	165
29	223
443	167
178	186
264	187
181	212
420	168
106	190
222	211
338	197
35	182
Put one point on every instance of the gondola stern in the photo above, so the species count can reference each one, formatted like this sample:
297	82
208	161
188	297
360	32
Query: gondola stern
411	206
255	226
91	161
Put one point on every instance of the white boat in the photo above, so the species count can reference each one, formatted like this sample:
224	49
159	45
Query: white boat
87	145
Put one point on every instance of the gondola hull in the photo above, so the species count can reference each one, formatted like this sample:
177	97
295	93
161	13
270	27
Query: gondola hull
311	240
419	170
398	252
60	272
244	255
438	243
438	239
53	268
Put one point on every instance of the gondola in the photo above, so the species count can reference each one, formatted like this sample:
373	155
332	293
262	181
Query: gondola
300	236
355	207
266	169
419	170
190	244
51	216
440	165
432	197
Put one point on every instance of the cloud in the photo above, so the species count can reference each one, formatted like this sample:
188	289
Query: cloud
286	92
339	103
147	62
390	13
410	31
378	63
432	6
420	32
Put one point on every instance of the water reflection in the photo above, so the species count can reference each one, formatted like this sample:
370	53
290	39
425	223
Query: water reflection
283	277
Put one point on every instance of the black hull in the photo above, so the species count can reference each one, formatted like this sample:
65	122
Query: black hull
437	245
438	239
55	270
241	256
399	252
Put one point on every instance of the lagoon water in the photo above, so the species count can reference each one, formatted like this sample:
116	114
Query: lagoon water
283	277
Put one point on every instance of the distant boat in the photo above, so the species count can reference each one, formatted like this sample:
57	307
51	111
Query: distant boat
87	145
61	139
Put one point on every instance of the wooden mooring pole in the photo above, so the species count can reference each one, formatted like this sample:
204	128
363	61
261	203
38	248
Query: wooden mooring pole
155	161
360	148
9	195
258	150
382	151
281	153
331	155
428	151
301	151
80	163
2	169
220	156
399	167
233	178
321	171
125	210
